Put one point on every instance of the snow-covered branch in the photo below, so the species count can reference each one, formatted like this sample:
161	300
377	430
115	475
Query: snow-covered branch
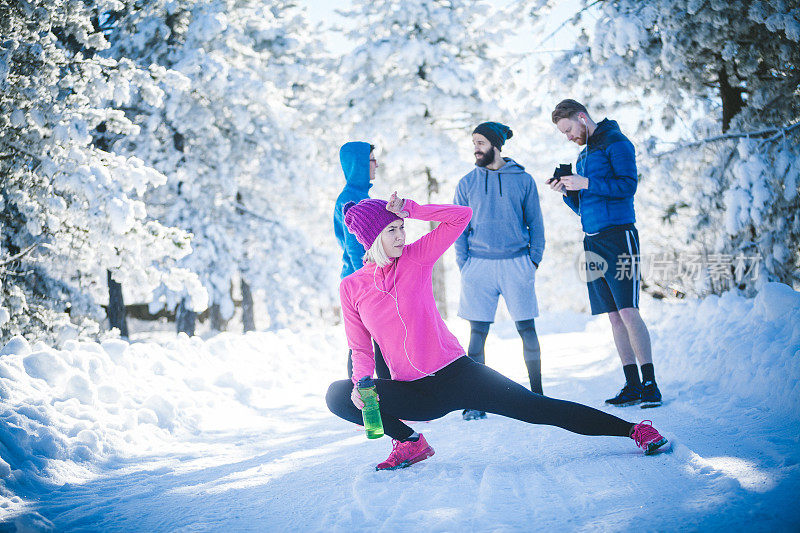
569	21
260	217
20	255
779	132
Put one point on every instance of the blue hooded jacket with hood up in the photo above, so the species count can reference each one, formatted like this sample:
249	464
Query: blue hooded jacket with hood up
609	162
354	157
507	218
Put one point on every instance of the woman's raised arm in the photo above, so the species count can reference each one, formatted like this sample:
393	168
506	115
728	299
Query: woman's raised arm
452	218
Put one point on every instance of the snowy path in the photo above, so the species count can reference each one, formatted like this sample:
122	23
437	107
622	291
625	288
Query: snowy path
298	468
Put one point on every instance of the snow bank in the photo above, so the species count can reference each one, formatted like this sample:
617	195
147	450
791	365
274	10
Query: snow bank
71	414
748	349
65	411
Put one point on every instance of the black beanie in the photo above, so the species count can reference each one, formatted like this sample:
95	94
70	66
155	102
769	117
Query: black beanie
496	133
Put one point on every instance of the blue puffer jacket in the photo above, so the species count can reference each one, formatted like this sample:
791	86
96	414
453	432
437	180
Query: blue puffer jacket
609	161
354	157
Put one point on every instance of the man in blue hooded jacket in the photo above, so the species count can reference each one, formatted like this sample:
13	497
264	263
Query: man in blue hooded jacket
500	249
359	165
601	193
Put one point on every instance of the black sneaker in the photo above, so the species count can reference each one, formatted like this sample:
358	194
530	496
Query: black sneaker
651	396
628	395
472	414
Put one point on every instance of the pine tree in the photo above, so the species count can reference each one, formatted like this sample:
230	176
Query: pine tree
718	79
412	86
71	210
237	78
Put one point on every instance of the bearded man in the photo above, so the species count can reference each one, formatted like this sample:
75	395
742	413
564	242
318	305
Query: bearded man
501	248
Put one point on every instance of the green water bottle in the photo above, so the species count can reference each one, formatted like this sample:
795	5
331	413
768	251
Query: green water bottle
371	412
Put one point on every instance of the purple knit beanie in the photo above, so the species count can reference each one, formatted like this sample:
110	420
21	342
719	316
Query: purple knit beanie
367	219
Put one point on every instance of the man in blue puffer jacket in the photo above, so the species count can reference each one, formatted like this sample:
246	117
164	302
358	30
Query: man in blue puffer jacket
500	249
359	165
601	193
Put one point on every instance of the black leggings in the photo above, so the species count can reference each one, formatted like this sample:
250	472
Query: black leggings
465	384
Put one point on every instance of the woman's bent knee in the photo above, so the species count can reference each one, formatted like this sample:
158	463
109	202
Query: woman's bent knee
338	396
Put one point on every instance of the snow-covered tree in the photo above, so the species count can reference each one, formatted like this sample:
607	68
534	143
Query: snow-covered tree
413	86
239	81
719	80
70	210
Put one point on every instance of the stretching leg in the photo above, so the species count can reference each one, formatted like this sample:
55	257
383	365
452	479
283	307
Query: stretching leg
488	390
406	400
465	384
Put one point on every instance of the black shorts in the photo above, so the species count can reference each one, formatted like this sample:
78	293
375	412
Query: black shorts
615	286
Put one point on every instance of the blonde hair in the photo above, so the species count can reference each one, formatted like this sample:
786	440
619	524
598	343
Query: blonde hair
376	254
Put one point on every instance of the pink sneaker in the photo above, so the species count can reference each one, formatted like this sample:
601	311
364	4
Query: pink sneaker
406	454
647	438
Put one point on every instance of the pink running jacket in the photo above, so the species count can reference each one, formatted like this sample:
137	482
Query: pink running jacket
395	305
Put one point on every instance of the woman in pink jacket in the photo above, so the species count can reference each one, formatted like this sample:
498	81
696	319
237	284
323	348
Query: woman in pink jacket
390	299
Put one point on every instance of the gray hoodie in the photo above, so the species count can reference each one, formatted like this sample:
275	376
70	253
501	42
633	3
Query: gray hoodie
506	216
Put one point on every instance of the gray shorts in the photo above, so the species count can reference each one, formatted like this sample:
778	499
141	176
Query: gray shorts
484	280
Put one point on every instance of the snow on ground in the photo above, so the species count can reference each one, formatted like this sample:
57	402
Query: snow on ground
232	433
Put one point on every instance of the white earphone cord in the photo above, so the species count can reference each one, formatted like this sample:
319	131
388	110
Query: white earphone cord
405	329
